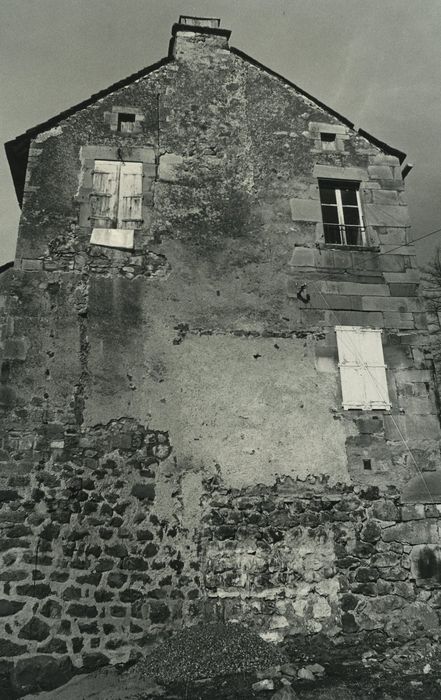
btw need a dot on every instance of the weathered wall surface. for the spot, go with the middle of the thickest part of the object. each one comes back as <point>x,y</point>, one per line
<point>173,439</point>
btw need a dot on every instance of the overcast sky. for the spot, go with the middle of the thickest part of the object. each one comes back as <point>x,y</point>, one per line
<point>375,61</point>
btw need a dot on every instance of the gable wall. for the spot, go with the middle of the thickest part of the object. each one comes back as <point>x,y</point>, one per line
<point>151,399</point>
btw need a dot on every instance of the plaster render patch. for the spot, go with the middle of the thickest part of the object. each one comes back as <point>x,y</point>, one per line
<point>237,404</point>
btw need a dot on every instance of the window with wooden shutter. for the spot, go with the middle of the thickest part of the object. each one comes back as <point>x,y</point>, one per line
<point>104,196</point>
<point>130,195</point>
<point>362,368</point>
<point>115,202</point>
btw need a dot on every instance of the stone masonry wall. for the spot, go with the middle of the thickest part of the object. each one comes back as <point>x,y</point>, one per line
<point>173,443</point>
<point>302,559</point>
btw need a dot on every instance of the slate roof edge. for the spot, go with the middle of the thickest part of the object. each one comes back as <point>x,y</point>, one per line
<point>6,266</point>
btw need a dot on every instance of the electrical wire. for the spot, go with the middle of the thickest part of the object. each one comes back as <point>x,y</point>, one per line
<point>403,245</point>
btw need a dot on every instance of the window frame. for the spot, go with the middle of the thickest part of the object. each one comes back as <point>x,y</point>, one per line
<point>342,225</point>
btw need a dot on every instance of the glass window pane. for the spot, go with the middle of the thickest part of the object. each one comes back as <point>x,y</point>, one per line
<point>353,235</point>
<point>330,214</point>
<point>327,194</point>
<point>351,216</point>
<point>349,196</point>
<point>332,233</point>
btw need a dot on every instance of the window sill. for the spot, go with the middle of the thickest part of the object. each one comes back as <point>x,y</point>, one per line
<point>339,246</point>
<point>113,238</point>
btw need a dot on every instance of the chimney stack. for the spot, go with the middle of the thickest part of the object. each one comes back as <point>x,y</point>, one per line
<point>197,33</point>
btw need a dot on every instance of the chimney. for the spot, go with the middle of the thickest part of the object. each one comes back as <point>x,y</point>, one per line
<point>193,34</point>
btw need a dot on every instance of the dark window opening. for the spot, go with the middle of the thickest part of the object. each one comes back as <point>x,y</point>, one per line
<point>367,464</point>
<point>341,212</point>
<point>126,122</point>
<point>328,141</point>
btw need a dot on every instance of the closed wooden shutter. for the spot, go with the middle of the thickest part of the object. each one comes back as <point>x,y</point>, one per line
<point>362,368</point>
<point>130,196</point>
<point>104,196</point>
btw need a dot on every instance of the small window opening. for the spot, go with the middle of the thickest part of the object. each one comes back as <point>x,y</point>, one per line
<point>126,122</point>
<point>328,141</point>
<point>367,464</point>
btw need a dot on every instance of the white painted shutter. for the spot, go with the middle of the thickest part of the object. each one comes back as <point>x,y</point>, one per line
<point>130,196</point>
<point>104,196</point>
<point>362,368</point>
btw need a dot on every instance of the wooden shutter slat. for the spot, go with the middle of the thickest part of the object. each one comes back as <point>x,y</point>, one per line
<point>104,196</point>
<point>362,368</point>
<point>130,195</point>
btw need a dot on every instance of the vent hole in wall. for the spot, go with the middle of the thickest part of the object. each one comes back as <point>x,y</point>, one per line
<point>367,464</point>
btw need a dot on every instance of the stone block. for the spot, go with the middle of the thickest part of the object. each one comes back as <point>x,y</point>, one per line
<point>305,209</point>
<point>409,276</point>
<point>326,128</point>
<point>303,257</point>
<point>342,259</point>
<point>30,265</point>
<point>412,512</point>
<point>334,301</point>
<point>170,165</point>
<point>35,629</point>
<point>402,321</point>
<point>383,159</point>
<point>353,288</point>
<point>386,215</point>
<point>423,427</point>
<point>380,172</point>
<point>388,197</point>
<point>392,263</point>
<point>413,532</point>
<point>360,318</point>
<point>333,172</point>
<point>403,290</point>
<point>402,305</point>
<point>425,562</point>
<point>324,258</point>
<point>423,488</point>
<point>366,260</point>
<point>395,427</point>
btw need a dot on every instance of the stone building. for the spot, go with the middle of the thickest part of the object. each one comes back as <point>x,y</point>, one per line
<point>216,390</point>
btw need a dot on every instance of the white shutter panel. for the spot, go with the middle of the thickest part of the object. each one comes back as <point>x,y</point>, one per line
<point>130,196</point>
<point>362,368</point>
<point>104,196</point>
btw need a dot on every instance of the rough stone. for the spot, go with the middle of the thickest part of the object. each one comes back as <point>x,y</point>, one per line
<point>36,629</point>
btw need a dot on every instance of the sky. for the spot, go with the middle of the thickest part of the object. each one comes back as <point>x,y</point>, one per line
<point>377,62</point>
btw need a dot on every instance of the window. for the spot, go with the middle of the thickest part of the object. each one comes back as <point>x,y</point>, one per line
<point>362,368</point>
<point>116,197</point>
<point>341,212</point>
<point>115,202</point>
<point>126,122</point>
<point>328,141</point>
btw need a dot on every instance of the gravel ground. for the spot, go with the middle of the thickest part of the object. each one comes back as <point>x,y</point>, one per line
<point>208,650</point>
